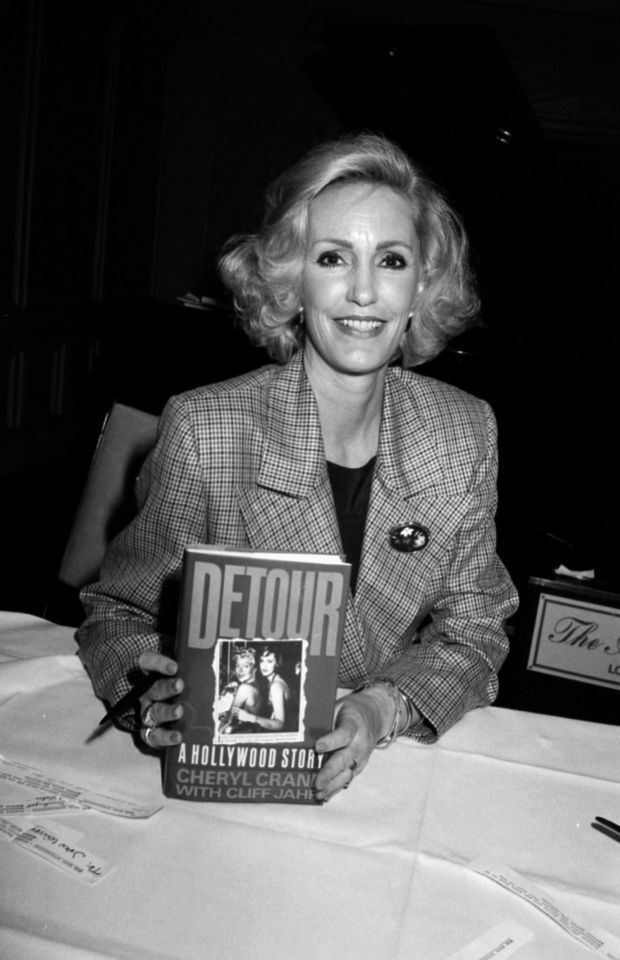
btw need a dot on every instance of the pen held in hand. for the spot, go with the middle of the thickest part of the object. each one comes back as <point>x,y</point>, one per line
<point>130,700</point>
<point>608,827</point>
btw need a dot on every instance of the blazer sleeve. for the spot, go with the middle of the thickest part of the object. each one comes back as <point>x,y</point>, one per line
<point>452,667</point>
<point>132,608</point>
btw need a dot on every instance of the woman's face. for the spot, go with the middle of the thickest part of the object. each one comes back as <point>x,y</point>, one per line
<point>244,669</point>
<point>359,279</point>
<point>268,664</point>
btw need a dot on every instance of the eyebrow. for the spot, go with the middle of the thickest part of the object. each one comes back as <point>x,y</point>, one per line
<point>384,245</point>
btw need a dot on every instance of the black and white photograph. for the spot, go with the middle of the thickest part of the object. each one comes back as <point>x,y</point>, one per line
<point>309,473</point>
<point>260,691</point>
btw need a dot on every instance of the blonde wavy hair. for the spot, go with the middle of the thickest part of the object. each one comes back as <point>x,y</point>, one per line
<point>263,270</point>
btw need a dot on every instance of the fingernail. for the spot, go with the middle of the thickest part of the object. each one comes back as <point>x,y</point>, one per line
<point>176,737</point>
<point>177,686</point>
<point>177,712</point>
<point>171,668</point>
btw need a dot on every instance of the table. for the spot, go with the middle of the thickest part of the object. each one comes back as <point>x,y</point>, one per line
<point>380,872</point>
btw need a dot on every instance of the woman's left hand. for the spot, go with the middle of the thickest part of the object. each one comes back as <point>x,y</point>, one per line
<point>362,719</point>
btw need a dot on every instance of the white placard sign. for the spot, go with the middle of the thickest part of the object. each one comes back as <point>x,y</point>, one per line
<point>576,639</point>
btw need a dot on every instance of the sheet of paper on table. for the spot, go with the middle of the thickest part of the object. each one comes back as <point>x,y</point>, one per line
<point>599,941</point>
<point>44,790</point>
<point>58,845</point>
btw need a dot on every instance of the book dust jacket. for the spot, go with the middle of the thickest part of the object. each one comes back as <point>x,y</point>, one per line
<point>258,647</point>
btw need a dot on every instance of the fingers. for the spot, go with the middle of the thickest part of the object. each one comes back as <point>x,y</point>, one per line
<point>348,747</point>
<point>157,736</point>
<point>329,783</point>
<point>155,708</point>
<point>156,712</point>
<point>341,748</point>
<point>153,662</point>
<point>163,689</point>
<point>339,738</point>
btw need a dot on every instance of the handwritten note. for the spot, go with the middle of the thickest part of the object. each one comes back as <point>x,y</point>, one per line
<point>46,793</point>
<point>41,804</point>
<point>59,846</point>
<point>599,941</point>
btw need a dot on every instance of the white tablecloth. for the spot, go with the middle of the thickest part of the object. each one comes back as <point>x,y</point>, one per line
<point>380,872</point>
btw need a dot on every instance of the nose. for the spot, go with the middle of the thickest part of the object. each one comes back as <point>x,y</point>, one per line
<point>362,285</point>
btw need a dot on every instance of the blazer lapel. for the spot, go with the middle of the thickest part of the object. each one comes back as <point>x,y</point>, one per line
<point>408,487</point>
<point>291,508</point>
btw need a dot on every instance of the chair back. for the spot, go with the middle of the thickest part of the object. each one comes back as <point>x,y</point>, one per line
<point>107,503</point>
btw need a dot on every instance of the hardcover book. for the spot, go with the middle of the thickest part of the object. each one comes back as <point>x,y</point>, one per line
<point>258,646</point>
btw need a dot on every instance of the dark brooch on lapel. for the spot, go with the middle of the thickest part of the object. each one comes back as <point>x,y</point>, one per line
<point>408,537</point>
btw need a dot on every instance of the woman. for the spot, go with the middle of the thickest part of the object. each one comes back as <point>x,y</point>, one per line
<point>359,259</point>
<point>241,701</point>
<point>278,693</point>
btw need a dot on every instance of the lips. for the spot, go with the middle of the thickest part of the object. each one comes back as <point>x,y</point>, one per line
<point>360,324</point>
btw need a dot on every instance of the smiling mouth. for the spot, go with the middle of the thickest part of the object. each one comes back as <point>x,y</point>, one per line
<point>360,324</point>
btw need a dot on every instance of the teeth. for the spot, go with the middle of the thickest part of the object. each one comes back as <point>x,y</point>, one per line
<point>360,324</point>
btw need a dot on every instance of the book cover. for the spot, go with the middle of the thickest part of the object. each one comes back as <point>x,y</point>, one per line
<point>258,646</point>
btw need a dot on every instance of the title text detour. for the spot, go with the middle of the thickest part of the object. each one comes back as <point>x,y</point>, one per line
<point>254,601</point>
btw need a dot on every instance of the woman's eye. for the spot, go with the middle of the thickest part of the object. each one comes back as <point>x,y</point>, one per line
<point>329,259</point>
<point>394,261</point>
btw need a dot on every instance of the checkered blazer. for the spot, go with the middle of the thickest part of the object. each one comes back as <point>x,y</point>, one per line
<point>242,462</point>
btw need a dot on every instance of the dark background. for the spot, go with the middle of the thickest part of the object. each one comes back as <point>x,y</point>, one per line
<point>138,138</point>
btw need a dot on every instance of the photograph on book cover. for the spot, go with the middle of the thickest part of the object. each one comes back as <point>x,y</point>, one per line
<point>259,691</point>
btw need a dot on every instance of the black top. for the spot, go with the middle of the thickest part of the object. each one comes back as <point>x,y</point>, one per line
<point>351,490</point>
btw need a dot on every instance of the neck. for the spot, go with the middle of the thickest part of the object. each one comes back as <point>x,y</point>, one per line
<point>350,414</point>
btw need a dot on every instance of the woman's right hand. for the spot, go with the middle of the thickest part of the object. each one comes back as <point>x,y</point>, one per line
<point>155,709</point>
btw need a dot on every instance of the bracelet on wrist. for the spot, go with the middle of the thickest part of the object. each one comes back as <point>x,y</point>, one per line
<point>399,712</point>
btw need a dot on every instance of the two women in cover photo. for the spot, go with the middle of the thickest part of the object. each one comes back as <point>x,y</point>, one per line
<point>258,699</point>
<point>358,274</point>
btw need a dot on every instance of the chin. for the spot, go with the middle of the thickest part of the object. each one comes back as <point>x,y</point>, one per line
<point>363,365</point>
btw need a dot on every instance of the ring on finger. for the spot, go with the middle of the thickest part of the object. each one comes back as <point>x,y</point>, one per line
<point>353,767</point>
<point>147,734</point>
<point>148,720</point>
